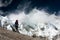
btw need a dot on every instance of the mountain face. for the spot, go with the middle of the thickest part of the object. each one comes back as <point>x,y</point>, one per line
<point>42,29</point>
<point>37,23</point>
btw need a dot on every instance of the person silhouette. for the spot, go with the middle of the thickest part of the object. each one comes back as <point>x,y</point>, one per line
<point>16,25</point>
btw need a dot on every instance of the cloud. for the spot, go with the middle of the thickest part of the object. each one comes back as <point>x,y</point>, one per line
<point>5,3</point>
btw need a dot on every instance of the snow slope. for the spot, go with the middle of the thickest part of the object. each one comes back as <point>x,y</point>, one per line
<point>37,22</point>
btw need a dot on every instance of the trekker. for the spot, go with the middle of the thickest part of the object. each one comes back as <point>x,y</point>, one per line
<point>16,25</point>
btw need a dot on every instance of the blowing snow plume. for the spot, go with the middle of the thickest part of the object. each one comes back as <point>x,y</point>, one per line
<point>37,22</point>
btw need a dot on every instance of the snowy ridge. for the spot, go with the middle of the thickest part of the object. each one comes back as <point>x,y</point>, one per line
<point>36,22</point>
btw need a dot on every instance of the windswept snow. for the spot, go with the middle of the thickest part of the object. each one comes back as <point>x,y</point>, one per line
<point>37,22</point>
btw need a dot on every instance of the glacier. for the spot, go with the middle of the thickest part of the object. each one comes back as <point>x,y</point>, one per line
<point>37,22</point>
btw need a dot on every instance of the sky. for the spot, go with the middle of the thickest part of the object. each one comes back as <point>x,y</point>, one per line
<point>50,6</point>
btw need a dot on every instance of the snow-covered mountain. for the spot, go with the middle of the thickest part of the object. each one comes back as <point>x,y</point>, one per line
<point>33,23</point>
